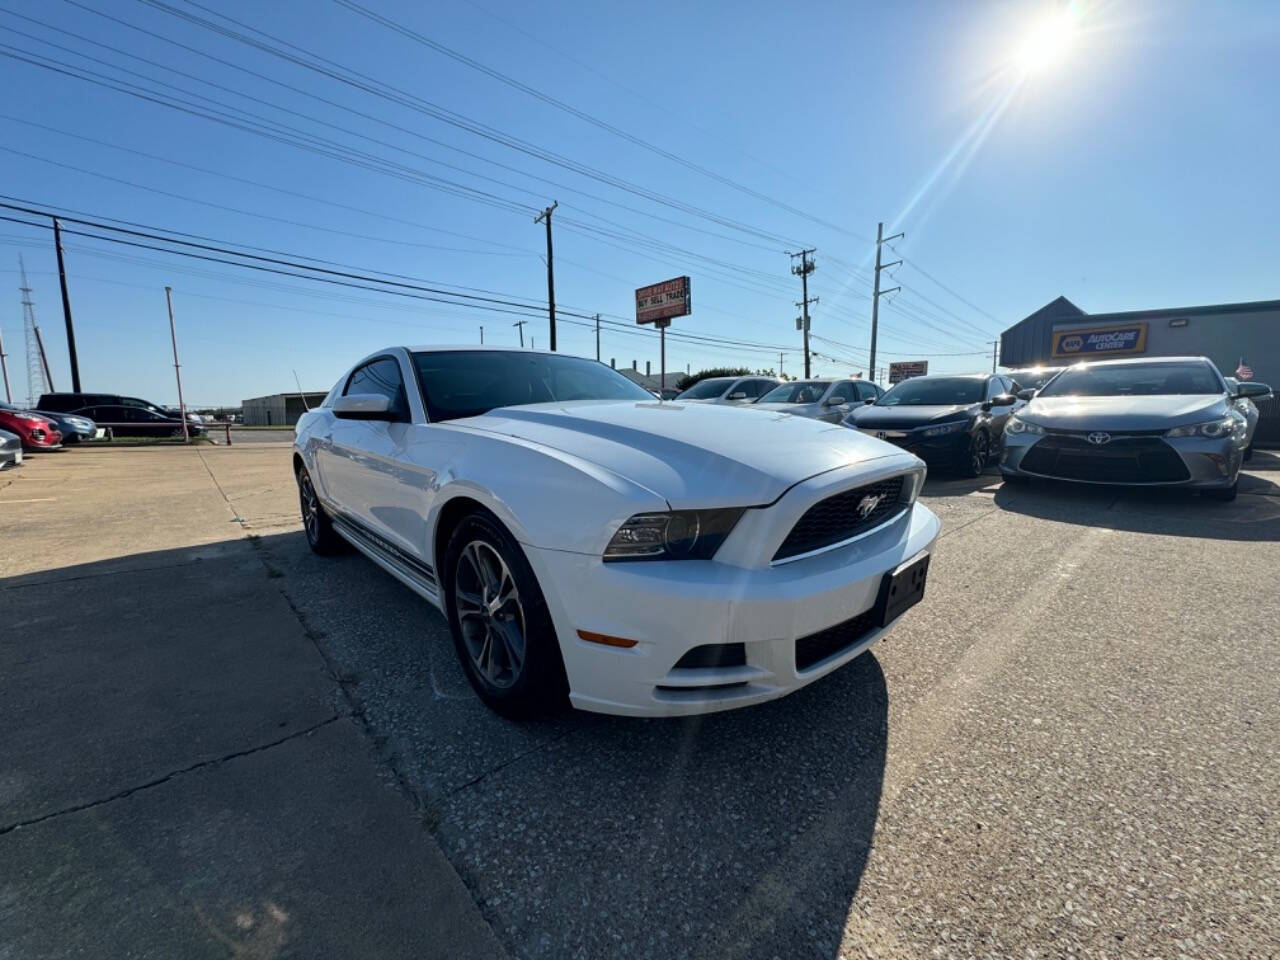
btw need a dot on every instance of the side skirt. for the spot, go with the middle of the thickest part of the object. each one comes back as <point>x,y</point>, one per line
<point>408,569</point>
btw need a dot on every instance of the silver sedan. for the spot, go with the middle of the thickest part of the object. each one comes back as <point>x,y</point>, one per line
<point>1155,421</point>
<point>10,449</point>
<point>829,400</point>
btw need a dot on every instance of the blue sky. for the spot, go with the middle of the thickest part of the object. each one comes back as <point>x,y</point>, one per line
<point>1137,170</point>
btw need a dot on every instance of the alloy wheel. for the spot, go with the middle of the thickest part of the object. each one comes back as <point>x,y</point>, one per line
<point>978,453</point>
<point>490,615</point>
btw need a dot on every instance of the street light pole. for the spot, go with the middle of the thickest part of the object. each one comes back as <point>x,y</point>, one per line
<point>177,372</point>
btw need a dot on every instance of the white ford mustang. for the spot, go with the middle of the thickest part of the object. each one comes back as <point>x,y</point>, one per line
<point>583,539</point>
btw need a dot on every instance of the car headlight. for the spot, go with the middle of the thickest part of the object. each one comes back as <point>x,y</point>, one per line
<point>1213,429</point>
<point>945,428</point>
<point>678,535</point>
<point>1017,425</point>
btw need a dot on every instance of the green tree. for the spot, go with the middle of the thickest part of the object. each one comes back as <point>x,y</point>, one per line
<point>689,379</point>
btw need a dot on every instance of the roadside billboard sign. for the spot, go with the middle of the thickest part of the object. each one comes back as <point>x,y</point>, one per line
<point>662,301</point>
<point>1121,340</point>
<point>907,369</point>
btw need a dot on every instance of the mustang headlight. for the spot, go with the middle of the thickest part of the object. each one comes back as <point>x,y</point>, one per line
<point>1213,429</point>
<point>944,428</point>
<point>1017,425</point>
<point>678,535</point>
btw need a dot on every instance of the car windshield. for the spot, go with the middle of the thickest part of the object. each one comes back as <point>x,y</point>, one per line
<point>467,383</point>
<point>706,389</point>
<point>933,391</point>
<point>802,392</point>
<point>1035,379</point>
<point>1135,380</point>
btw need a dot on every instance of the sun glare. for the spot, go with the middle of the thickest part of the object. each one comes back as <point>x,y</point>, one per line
<point>1048,41</point>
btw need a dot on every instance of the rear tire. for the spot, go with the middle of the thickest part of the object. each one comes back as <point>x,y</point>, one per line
<point>1224,494</point>
<point>502,629</point>
<point>321,537</point>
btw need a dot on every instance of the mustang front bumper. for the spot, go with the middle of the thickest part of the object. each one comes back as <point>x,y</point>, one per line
<point>669,608</point>
<point>1127,459</point>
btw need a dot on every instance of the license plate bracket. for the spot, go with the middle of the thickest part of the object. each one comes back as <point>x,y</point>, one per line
<point>901,589</point>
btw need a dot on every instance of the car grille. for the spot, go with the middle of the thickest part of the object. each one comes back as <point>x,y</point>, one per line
<point>1126,459</point>
<point>837,518</point>
<point>826,643</point>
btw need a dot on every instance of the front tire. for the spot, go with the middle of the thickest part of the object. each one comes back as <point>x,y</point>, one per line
<point>321,537</point>
<point>976,458</point>
<point>502,629</point>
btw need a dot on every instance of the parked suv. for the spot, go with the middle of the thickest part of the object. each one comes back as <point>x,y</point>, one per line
<point>126,416</point>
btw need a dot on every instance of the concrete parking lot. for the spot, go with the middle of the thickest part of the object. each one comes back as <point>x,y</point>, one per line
<point>216,744</point>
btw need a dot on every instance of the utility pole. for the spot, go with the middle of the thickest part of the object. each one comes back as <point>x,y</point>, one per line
<point>779,363</point>
<point>533,343</point>
<point>994,344</point>
<point>4,368</point>
<point>551,273</point>
<point>482,334</point>
<point>806,267</point>
<point>881,240</point>
<point>519,324</point>
<point>597,338</point>
<point>66,308</point>
<point>177,372</point>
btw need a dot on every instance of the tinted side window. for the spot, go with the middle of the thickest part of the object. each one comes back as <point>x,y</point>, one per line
<point>866,391</point>
<point>381,376</point>
<point>758,388</point>
<point>844,391</point>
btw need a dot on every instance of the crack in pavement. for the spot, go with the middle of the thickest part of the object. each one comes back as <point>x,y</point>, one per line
<point>128,791</point>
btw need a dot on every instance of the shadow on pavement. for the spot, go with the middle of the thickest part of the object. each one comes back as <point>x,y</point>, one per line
<point>736,834</point>
<point>1170,511</point>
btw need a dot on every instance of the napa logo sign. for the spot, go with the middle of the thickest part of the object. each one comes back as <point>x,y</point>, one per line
<point>1116,341</point>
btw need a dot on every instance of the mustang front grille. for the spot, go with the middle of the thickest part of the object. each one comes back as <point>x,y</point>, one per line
<point>843,516</point>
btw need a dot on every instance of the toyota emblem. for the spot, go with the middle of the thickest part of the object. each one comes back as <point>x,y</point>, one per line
<point>1098,438</point>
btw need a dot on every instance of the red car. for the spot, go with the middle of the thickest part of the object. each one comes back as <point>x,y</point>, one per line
<point>37,432</point>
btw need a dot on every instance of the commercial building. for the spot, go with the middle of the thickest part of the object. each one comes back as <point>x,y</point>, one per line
<point>279,409</point>
<point>1060,333</point>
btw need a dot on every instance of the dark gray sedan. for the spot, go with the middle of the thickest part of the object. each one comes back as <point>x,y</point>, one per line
<point>1154,421</point>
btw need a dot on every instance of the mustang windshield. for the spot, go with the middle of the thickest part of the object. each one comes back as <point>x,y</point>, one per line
<point>467,383</point>
<point>1135,380</point>
<point>795,393</point>
<point>933,392</point>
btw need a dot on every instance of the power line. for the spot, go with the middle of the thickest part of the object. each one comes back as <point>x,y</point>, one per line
<point>574,111</point>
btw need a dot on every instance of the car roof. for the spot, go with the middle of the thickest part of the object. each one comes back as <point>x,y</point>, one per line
<point>951,376</point>
<point>1140,361</point>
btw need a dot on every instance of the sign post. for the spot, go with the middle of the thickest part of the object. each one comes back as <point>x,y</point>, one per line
<point>658,303</point>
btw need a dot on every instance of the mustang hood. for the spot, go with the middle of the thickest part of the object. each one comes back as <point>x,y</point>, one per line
<point>693,455</point>
<point>1123,413</point>
<point>873,417</point>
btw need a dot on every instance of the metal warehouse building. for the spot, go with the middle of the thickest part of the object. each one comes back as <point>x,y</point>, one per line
<point>1060,333</point>
<point>279,409</point>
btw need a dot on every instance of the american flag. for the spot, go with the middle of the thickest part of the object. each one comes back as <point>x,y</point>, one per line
<point>1244,371</point>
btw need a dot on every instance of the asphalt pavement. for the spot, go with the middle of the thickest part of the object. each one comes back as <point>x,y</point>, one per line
<point>1071,747</point>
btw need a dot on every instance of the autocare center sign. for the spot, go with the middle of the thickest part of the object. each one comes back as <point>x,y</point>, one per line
<point>662,301</point>
<point>1117,341</point>
<point>907,369</point>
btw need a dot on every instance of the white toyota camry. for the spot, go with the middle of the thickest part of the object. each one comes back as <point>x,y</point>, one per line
<point>583,539</point>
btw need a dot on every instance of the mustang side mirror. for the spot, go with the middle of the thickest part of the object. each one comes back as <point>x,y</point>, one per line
<point>1248,389</point>
<point>1026,394</point>
<point>364,406</point>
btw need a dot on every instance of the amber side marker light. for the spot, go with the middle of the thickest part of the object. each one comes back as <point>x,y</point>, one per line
<point>605,639</point>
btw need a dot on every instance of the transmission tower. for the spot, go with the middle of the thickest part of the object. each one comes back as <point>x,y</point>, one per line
<point>38,379</point>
